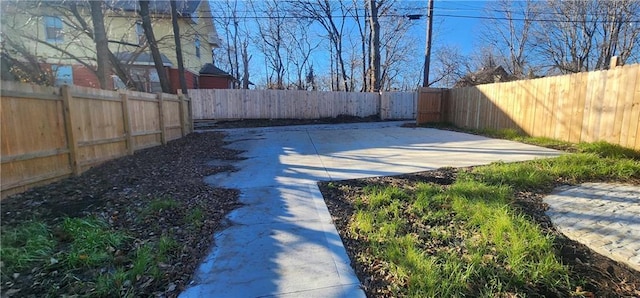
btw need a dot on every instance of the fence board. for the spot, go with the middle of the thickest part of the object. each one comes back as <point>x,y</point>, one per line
<point>634,125</point>
<point>50,133</point>
<point>582,107</point>
<point>227,104</point>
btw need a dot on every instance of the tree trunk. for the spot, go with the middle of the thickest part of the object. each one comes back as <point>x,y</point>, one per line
<point>153,45</point>
<point>176,36</point>
<point>102,44</point>
<point>245,65</point>
<point>364,55</point>
<point>235,48</point>
<point>117,66</point>
<point>374,61</point>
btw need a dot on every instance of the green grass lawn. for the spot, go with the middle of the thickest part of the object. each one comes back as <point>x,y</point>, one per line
<point>114,257</point>
<point>468,238</point>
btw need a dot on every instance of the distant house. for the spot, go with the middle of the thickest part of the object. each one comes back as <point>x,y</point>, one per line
<point>50,32</point>
<point>484,76</point>
<point>212,77</point>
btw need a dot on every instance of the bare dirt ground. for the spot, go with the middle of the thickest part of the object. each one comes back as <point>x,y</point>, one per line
<point>120,191</point>
<point>602,277</point>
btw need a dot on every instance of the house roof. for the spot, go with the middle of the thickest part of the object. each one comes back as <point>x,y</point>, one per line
<point>212,70</point>
<point>142,58</point>
<point>484,76</point>
<point>185,7</point>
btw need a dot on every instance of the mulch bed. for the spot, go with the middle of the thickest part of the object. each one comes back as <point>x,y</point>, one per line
<point>602,277</point>
<point>119,190</point>
<point>222,124</point>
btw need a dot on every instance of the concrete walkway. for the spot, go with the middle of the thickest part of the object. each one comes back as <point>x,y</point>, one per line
<point>604,217</point>
<point>282,242</point>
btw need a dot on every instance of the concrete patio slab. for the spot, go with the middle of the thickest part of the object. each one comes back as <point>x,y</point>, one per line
<point>603,216</point>
<point>282,242</point>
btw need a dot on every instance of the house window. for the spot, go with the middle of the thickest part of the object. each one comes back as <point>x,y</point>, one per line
<point>197,44</point>
<point>53,29</point>
<point>63,73</point>
<point>140,34</point>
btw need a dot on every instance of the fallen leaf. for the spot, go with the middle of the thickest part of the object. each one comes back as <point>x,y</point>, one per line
<point>171,287</point>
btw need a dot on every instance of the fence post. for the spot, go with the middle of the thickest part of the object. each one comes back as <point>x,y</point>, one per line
<point>379,97</point>
<point>163,131</point>
<point>614,62</point>
<point>71,138</point>
<point>127,122</point>
<point>188,102</point>
<point>416,96</point>
<point>183,123</point>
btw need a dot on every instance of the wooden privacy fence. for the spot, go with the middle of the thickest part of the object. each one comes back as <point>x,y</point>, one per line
<point>222,104</point>
<point>583,107</point>
<point>430,105</point>
<point>51,133</point>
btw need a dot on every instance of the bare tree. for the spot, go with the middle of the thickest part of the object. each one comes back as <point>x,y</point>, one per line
<point>396,50</point>
<point>176,38</point>
<point>585,34</point>
<point>102,44</point>
<point>153,45</point>
<point>374,59</point>
<point>79,23</point>
<point>299,51</point>
<point>246,59</point>
<point>332,17</point>
<point>271,40</point>
<point>511,32</point>
<point>311,78</point>
<point>364,40</point>
<point>448,67</point>
<point>618,33</point>
<point>228,22</point>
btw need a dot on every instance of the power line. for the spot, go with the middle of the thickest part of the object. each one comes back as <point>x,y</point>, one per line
<point>417,16</point>
<point>464,7</point>
<point>413,16</point>
<point>535,19</point>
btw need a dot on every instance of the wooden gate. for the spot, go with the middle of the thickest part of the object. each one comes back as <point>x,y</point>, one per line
<point>430,105</point>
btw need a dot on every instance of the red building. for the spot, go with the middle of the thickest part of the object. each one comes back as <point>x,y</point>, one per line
<point>212,77</point>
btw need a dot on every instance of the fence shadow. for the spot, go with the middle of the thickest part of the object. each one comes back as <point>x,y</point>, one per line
<point>583,107</point>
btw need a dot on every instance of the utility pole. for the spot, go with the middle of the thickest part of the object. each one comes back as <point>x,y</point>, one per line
<point>427,53</point>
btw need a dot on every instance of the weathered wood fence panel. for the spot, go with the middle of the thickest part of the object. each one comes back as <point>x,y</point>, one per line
<point>49,133</point>
<point>398,105</point>
<point>583,107</point>
<point>294,104</point>
<point>430,105</point>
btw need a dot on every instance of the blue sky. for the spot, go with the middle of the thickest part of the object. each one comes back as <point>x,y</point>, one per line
<point>460,31</point>
<point>451,28</point>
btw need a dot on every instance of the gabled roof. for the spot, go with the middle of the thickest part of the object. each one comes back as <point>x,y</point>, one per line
<point>185,7</point>
<point>212,70</point>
